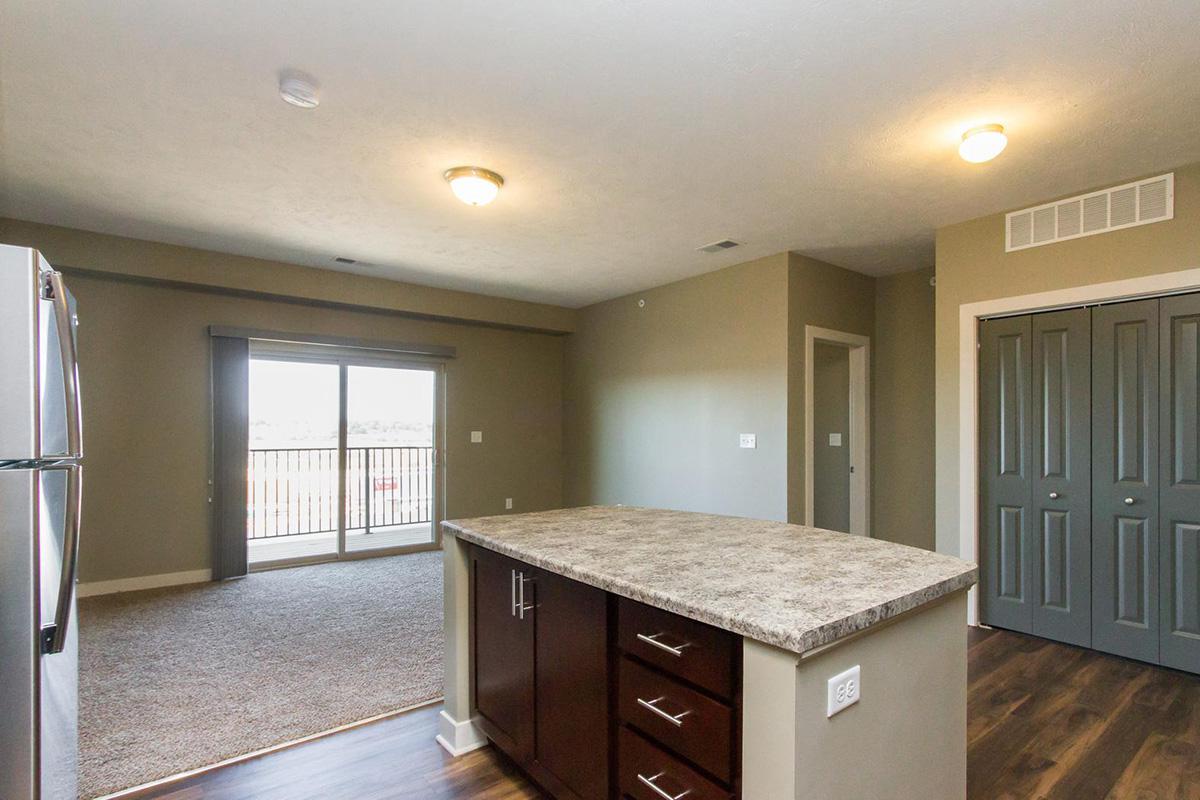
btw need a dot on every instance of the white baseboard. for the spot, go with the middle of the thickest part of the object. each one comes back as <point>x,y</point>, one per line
<point>459,738</point>
<point>145,582</point>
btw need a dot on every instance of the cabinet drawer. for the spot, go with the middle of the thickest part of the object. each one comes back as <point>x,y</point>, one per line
<point>694,651</point>
<point>691,724</point>
<point>645,772</point>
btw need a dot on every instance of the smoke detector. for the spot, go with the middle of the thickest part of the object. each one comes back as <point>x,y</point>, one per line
<point>298,89</point>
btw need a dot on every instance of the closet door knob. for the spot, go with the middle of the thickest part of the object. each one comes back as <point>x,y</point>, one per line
<point>1054,495</point>
<point>1129,501</point>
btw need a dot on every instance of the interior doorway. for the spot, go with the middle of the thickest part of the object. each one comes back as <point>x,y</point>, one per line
<point>343,455</point>
<point>837,430</point>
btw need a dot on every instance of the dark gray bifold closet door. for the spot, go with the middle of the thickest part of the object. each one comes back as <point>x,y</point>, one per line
<point>1061,477</point>
<point>1179,472</point>
<point>1125,546</point>
<point>1004,407</point>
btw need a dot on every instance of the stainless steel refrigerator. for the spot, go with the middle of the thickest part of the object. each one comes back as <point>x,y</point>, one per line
<point>41,450</point>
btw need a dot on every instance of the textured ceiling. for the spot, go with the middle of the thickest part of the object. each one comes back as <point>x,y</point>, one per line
<point>628,133</point>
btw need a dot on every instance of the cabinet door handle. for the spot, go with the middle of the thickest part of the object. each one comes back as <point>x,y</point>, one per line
<point>521,605</point>
<point>654,787</point>
<point>1129,501</point>
<point>1055,495</point>
<point>652,705</point>
<point>512,584</point>
<point>653,640</point>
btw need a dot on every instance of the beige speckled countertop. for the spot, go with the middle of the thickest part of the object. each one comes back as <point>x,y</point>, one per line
<point>787,585</point>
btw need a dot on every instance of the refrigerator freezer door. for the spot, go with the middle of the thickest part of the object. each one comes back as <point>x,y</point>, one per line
<point>59,706</point>
<point>58,374</point>
<point>19,633</point>
<point>19,309</point>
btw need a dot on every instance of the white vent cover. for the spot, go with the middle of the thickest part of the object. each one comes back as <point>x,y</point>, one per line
<point>1139,203</point>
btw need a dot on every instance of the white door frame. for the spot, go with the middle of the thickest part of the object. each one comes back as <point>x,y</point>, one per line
<point>860,423</point>
<point>969,315</point>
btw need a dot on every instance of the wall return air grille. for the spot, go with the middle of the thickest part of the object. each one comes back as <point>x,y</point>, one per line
<point>1137,203</point>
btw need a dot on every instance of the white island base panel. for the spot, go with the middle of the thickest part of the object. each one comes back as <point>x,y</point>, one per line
<point>905,738</point>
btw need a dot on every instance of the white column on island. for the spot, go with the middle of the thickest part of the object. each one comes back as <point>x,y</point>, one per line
<point>457,733</point>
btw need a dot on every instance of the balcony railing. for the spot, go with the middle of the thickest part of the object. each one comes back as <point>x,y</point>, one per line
<point>293,491</point>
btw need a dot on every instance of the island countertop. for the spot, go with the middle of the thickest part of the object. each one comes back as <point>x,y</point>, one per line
<point>791,586</point>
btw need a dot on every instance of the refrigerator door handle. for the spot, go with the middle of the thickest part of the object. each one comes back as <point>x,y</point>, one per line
<point>54,290</point>
<point>54,636</point>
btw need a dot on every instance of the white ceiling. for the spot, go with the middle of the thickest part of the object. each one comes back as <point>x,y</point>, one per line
<point>629,133</point>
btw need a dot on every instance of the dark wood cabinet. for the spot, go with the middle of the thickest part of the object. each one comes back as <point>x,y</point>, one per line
<point>502,641</point>
<point>557,687</point>
<point>540,672</point>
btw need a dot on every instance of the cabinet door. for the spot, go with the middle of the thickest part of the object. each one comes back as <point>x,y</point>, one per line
<point>1125,442</point>
<point>1061,476</point>
<point>1006,580</point>
<point>572,684</point>
<point>1179,473</point>
<point>503,651</point>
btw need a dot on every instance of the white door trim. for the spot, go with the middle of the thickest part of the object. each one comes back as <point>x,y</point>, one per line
<point>969,315</point>
<point>860,423</point>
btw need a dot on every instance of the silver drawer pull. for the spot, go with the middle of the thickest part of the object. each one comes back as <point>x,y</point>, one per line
<point>675,651</point>
<point>660,792</point>
<point>652,705</point>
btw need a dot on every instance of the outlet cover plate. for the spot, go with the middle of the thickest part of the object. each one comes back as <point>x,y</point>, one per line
<point>748,440</point>
<point>844,690</point>
<point>476,437</point>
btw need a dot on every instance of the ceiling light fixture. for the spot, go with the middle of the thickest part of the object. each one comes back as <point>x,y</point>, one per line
<point>983,143</point>
<point>475,186</point>
<point>298,89</point>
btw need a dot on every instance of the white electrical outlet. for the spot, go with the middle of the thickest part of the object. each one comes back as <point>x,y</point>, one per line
<point>748,440</point>
<point>508,504</point>
<point>844,691</point>
<point>476,437</point>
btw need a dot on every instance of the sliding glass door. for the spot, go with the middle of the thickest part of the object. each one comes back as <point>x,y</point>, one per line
<point>343,457</point>
<point>390,475</point>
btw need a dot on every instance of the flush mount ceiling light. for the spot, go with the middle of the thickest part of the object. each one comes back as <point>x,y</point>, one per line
<point>475,186</point>
<point>298,89</point>
<point>983,143</point>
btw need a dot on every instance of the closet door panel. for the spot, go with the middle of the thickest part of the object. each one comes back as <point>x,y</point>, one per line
<point>1125,466</point>
<point>1179,470</point>
<point>1061,476</point>
<point>1007,543</point>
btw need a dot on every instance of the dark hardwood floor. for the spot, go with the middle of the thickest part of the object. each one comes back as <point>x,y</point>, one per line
<point>1044,720</point>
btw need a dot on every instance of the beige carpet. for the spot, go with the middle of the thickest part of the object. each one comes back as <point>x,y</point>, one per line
<point>174,679</point>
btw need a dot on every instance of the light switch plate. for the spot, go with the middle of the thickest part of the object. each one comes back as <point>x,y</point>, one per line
<point>835,440</point>
<point>844,691</point>
<point>748,440</point>
<point>476,437</point>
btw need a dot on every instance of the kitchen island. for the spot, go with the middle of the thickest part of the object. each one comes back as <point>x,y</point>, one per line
<point>614,651</point>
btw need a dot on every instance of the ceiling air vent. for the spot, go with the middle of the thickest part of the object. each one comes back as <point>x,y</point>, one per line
<point>717,247</point>
<point>1138,203</point>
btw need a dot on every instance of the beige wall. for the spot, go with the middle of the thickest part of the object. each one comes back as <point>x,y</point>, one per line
<point>972,266</point>
<point>134,257</point>
<point>145,374</point>
<point>656,396</point>
<point>902,416</point>
<point>824,296</point>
